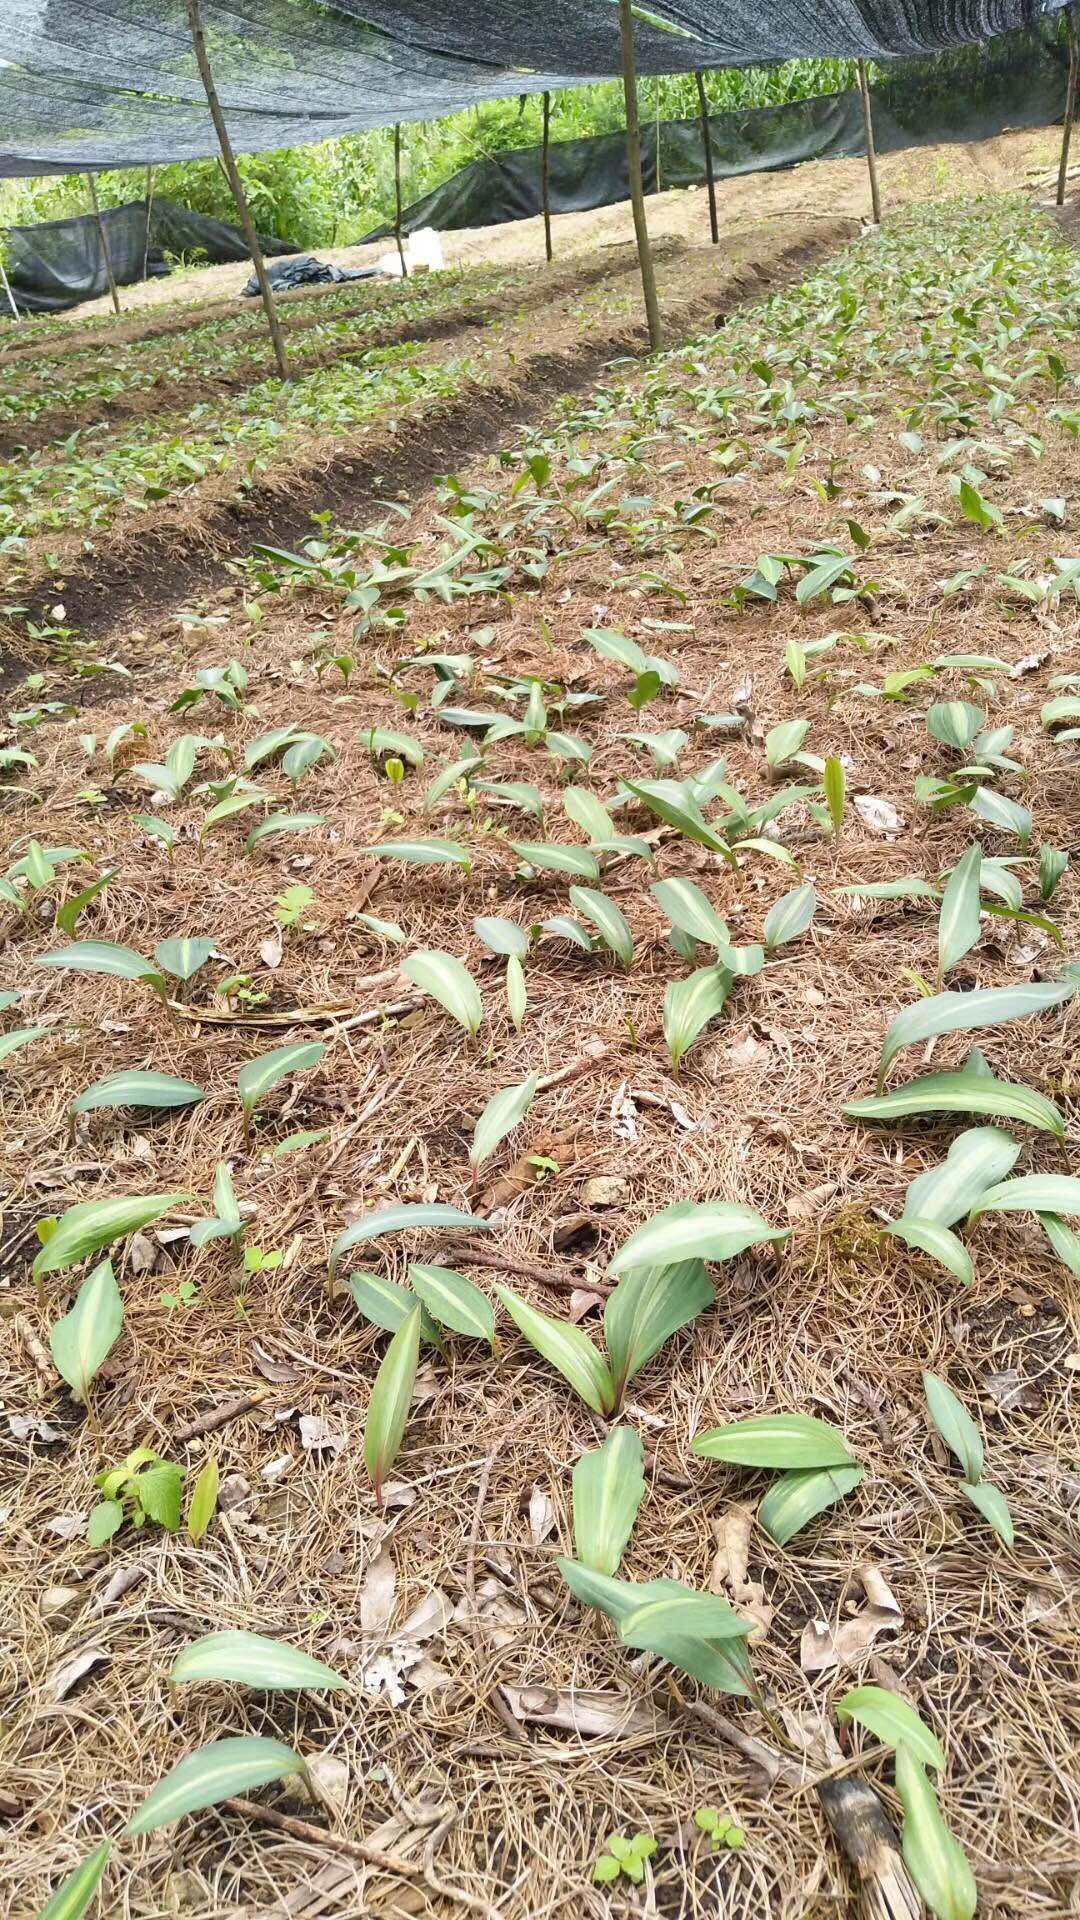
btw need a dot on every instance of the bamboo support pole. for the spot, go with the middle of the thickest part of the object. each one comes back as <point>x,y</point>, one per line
<point>706,140</point>
<point>545,175</point>
<point>871,151</point>
<point>1072,28</point>
<point>637,188</point>
<point>397,199</point>
<point>104,239</point>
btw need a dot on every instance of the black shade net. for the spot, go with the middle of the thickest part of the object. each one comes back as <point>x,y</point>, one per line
<point>107,83</point>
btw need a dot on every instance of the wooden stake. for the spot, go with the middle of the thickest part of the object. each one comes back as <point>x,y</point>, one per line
<point>706,137</point>
<point>103,237</point>
<point>545,182</point>
<point>7,290</point>
<point>871,152</point>
<point>149,197</point>
<point>236,185</point>
<point>397,198</point>
<point>1072,28</point>
<point>637,187</point>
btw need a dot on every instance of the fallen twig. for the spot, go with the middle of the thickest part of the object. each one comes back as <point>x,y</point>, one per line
<point>221,1415</point>
<point>528,1270</point>
<point>498,1701</point>
<point>33,1346</point>
<point>322,1837</point>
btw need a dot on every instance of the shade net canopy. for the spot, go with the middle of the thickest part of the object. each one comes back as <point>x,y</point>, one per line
<point>109,83</point>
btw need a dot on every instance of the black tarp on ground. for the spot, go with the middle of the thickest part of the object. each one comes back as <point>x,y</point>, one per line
<point>971,94</point>
<point>60,263</point>
<point>115,82</point>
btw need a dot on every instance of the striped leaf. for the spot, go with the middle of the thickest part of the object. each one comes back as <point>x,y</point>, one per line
<point>942,1245</point>
<point>608,1486</point>
<point>449,777</point>
<point>132,1088</point>
<point>1032,1193</point>
<point>891,1721</point>
<point>955,1425</point>
<point>835,784</point>
<point>94,1224</point>
<point>515,793</point>
<point>388,1305</point>
<point>449,982</point>
<point>681,1616</point>
<point>251,1660</point>
<point>797,1498</point>
<point>976,1160</point>
<point>102,956</point>
<point>932,1855</point>
<point>964,1012</point>
<point>18,1038</point>
<point>391,1397</point>
<point>402,1220</point>
<point>692,912</point>
<point>1063,1240</point>
<point>588,813</point>
<point>963,1092</point>
<point>999,811</point>
<point>502,936</point>
<point>276,823</point>
<point>794,1440</point>
<point>958,922</point>
<point>204,1499</point>
<point>672,803</point>
<point>690,1004</point>
<point>454,1302</point>
<point>609,922</point>
<point>183,958</point>
<point>722,1664</point>
<point>73,1897</point>
<point>381,740</point>
<point>717,1230</point>
<point>992,1504</point>
<point>646,1308</point>
<point>955,723</point>
<point>566,1348</point>
<point>517,993</point>
<point>82,1341</point>
<point>420,853</point>
<point>552,858</point>
<point>504,1111</point>
<point>257,1078</point>
<point>212,1774</point>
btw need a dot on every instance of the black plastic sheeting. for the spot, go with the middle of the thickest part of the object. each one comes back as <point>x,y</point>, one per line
<point>60,263</point>
<point>303,270</point>
<point>103,83</point>
<point>1019,82</point>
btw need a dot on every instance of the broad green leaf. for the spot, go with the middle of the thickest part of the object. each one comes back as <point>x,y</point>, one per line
<point>606,917</point>
<point>401,1220</point>
<point>93,1224</point>
<point>588,813</point>
<point>69,913</point>
<point>268,746</point>
<point>835,791</point>
<point>942,1245</point>
<point>1031,1193</point>
<point>183,958</point>
<point>963,1012</point>
<point>502,936</point>
<point>299,1142</point>
<point>722,1663</point>
<point>227,1223</point>
<point>382,740</point>
<point>955,723</point>
<point>688,908</point>
<point>81,1342</point>
<point>646,1308</point>
<point>1052,868</point>
<point>717,1230</point>
<point>992,1504</point>
<point>449,982</point>
<point>955,1425</point>
<point>157,829</point>
<point>671,802</point>
<point>1063,1240</point>
<point>798,1498</point>
<point>999,811</point>
<point>958,923</point>
<point>976,1160</point>
<point>914,887</point>
<point>776,1440</point>
<point>388,1305</point>
<point>566,1348</point>
<point>562,928</point>
<point>132,1088</point>
<point>609,1486</point>
<point>681,1616</point>
<point>891,1721</point>
<point>963,1092</point>
<point>276,823</point>
<point>421,853</point>
<point>159,1489</point>
<point>551,858</point>
<point>784,741</point>
<point>789,916</point>
<point>454,1302</point>
<point>933,1856</point>
<point>251,1660</point>
<point>211,1774</point>
<point>73,1896</point>
<point>391,1396</point>
<point>101,956</point>
<point>504,1111</point>
<point>103,1521</point>
<point>203,1503</point>
<point>18,1038</point>
<point>449,777</point>
<point>516,793</point>
<point>517,993</point>
<point>257,1078</point>
<point>688,1007</point>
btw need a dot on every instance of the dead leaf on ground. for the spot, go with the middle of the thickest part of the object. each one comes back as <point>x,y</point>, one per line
<point>583,1302</point>
<point>580,1711</point>
<point>30,1426</point>
<point>318,1436</point>
<point>270,952</point>
<point>66,1678</point>
<point>432,1616</point>
<point>827,1644</point>
<point>377,1595</point>
<point>729,1574</point>
<point>605,1190</point>
<point>69,1526</point>
<point>624,1114</point>
<point>279,1372</point>
<point>878,814</point>
<point>1029,663</point>
<point>541,1515</point>
<point>1010,1390</point>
